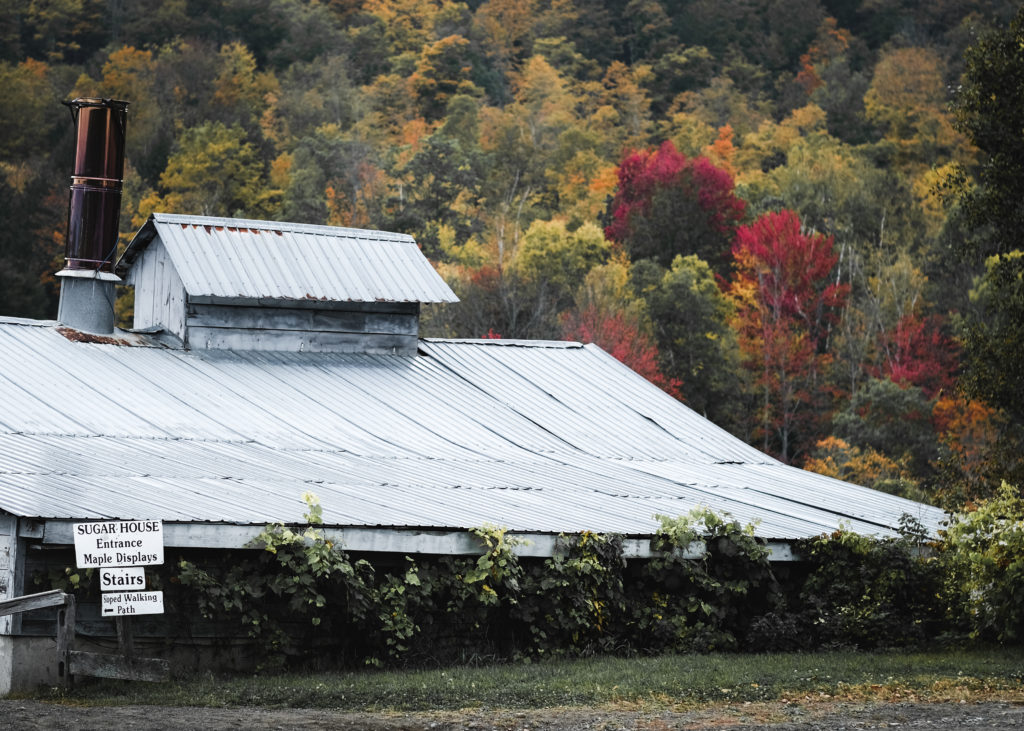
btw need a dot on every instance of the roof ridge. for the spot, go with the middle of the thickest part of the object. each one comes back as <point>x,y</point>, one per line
<point>26,321</point>
<point>251,223</point>
<point>509,342</point>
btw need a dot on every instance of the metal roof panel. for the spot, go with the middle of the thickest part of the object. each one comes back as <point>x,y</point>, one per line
<point>538,437</point>
<point>242,258</point>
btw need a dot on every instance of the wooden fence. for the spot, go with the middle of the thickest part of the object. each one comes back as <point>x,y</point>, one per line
<point>70,662</point>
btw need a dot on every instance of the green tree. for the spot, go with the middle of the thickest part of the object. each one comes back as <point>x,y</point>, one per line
<point>690,318</point>
<point>551,256</point>
<point>990,110</point>
<point>312,95</point>
<point>893,419</point>
<point>438,184</point>
<point>335,178</point>
<point>35,164</point>
<point>986,550</point>
<point>993,339</point>
<point>28,115</point>
<point>63,30</point>
<point>215,172</point>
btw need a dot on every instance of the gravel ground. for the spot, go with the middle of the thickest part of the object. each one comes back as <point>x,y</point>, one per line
<point>23,715</point>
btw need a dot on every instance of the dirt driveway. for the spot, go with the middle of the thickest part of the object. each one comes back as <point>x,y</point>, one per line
<point>23,715</point>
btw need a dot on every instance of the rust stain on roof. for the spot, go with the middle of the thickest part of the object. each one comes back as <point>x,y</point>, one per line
<point>77,336</point>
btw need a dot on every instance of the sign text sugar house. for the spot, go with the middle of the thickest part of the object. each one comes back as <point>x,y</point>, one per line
<point>119,543</point>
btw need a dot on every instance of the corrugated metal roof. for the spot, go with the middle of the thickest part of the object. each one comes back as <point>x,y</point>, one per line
<point>240,258</point>
<point>537,437</point>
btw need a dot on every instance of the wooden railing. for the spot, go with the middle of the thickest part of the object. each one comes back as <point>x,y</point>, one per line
<point>65,623</point>
<point>71,662</point>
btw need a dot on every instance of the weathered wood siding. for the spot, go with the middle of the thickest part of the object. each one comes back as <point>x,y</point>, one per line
<point>312,327</point>
<point>9,573</point>
<point>159,292</point>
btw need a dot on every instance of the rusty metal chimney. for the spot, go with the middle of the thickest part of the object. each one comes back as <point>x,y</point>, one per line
<point>87,285</point>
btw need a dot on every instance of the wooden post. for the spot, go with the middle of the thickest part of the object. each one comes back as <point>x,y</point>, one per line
<point>65,639</point>
<point>125,639</point>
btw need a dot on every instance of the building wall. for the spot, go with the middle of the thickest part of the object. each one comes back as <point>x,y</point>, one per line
<point>335,327</point>
<point>8,567</point>
<point>27,663</point>
<point>159,292</point>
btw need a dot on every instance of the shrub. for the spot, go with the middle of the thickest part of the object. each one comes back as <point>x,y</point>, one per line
<point>574,602</point>
<point>299,596</point>
<point>704,603</point>
<point>985,548</point>
<point>867,593</point>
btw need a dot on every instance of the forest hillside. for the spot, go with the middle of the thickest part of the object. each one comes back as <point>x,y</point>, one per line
<point>797,216</point>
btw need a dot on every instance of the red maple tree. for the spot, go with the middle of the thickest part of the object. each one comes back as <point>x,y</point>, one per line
<point>668,204</point>
<point>918,352</point>
<point>622,337</point>
<point>786,304</point>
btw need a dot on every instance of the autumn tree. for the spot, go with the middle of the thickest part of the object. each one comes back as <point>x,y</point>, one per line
<point>835,457</point>
<point>622,338</point>
<point>518,142</point>
<point>787,302</point>
<point>552,257</point>
<point>919,352</point>
<point>975,453</point>
<point>609,315</point>
<point>690,319</point>
<point>214,171</point>
<point>990,110</point>
<point>668,205</point>
<point>443,70</point>
<point>507,27</point>
<point>907,101</point>
<point>240,90</point>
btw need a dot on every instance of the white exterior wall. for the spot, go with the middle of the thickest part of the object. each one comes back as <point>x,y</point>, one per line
<point>159,292</point>
<point>25,662</point>
<point>8,567</point>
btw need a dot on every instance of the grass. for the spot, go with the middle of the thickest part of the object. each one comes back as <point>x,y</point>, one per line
<point>670,682</point>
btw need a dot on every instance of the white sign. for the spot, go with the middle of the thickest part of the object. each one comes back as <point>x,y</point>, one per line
<point>119,543</point>
<point>130,578</point>
<point>128,603</point>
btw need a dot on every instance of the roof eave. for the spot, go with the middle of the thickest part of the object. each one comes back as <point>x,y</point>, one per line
<point>142,239</point>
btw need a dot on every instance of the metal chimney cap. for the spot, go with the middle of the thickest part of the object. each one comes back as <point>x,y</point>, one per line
<point>91,101</point>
